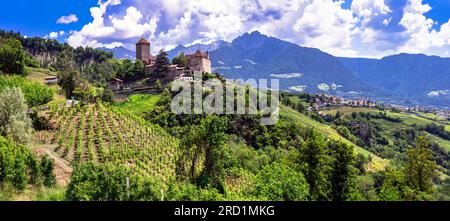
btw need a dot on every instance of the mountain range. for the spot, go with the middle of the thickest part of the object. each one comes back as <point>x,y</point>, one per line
<point>121,52</point>
<point>408,79</point>
<point>415,77</point>
<point>193,48</point>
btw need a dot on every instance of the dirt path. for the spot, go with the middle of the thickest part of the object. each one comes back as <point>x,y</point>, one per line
<point>62,170</point>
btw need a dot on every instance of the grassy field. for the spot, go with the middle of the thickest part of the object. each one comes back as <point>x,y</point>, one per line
<point>377,162</point>
<point>295,100</point>
<point>408,120</point>
<point>139,103</point>
<point>411,119</point>
<point>429,116</point>
<point>39,74</point>
<point>441,142</point>
<point>349,110</point>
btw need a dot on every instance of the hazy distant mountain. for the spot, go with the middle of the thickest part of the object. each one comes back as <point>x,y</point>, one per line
<point>193,48</point>
<point>299,69</point>
<point>413,76</point>
<point>121,52</point>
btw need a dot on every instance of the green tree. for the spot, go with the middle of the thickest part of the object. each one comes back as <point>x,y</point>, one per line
<point>393,186</point>
<point>69,80</point>
<point>35,93</point>
<point>98,73</point>
<point>315,168</point>
<point>389,192</point>
<point>139,69</point>
<point>18,166</point>
<point>111,182</point>
<point>158,85</point>
<point>343,172</point>
<point>12,57</point>
<point>14,120</point>
<point>338,115</point>
<point>47,166</point>
<point>420,166</point>
<point>180,60</point>
<point>108,96</point>
<point>278,182</point>
<point>162,64</point>
<point>66,60</point>
<point>203,142</point>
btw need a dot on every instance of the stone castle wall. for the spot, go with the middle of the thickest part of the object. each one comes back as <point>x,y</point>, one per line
<point>199,64</point>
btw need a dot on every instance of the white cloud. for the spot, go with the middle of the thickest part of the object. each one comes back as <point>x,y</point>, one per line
<point>99,34</point>
<point>369,9</point>
<point>54,35</point>
<point>67,19</point>
<point>326,25</point>
<point>386,22</point>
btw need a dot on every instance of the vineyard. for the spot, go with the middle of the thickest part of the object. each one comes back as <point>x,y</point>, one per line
<point>101,133</point>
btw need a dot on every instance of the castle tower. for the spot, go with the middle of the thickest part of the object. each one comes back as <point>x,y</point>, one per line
<point>199,61</point>
<point>143,50</point>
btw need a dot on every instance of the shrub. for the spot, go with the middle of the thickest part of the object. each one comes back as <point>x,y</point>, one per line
<point>12,57</point>
<point>19,167</point>
<point>279,182</point>
<point>35,93</point>
<point>14,120</point>
<point>47,165</point>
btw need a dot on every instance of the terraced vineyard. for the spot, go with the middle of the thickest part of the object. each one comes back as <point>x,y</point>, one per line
<point>101,133</point>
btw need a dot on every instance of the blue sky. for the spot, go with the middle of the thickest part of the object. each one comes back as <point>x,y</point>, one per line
<point>356,28</point>
<point>38,18</point>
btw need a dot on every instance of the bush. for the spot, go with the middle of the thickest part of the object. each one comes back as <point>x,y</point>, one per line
<point>188,192</point>
<point>278,182</point>
<point>108,182</point>
<point>35,93</point>
<point>51,194</point>
<point>18,166</point>
<point>14,120</point>
<point>108,96</point>
<point>47,165</point>
<point>30,61</point>
<point>12,57</point>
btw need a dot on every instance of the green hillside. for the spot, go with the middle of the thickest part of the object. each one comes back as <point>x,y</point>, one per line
<point>377,162</point>
<point>100,133</point>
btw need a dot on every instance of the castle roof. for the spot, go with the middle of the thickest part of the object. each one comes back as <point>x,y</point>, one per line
<point>198,53</point>
<point>143,41</point>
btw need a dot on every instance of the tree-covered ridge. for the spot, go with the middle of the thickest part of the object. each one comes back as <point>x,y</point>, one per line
<point>36,46</point>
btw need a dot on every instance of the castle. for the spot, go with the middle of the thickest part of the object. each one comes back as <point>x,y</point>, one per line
<point>198,61</point>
